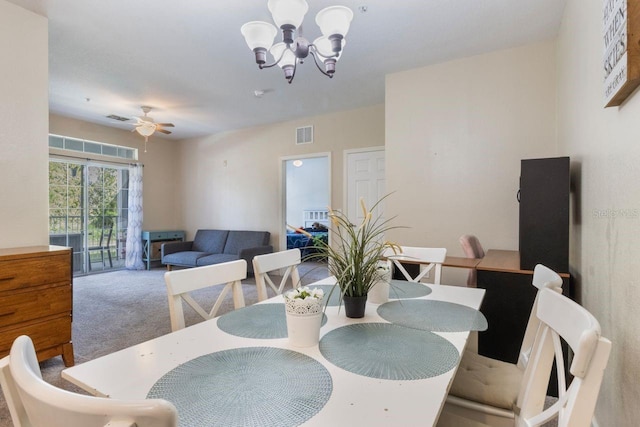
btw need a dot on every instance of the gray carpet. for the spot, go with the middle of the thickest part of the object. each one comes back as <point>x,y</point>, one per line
<point>115,310</point>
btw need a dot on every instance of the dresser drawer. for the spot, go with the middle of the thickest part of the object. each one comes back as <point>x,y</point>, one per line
<point>23,306</point>
<point>47,334</point>
<point>28,272</point>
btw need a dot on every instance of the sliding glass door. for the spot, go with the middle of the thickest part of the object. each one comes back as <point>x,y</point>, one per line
<point>88,212</point>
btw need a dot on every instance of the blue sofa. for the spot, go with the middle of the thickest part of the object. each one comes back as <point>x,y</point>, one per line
<point>217,246</point>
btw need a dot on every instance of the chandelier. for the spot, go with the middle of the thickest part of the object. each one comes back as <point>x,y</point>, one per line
<point>334,24</point>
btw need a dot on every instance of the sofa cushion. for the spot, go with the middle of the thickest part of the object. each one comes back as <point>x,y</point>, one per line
<point>211,241</point>
<point>215,259</point>
<point>239,240</point>
<point>183,258</point>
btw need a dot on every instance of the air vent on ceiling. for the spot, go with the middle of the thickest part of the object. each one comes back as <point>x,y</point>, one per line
<point>119,118</point>
<point>304,135</point>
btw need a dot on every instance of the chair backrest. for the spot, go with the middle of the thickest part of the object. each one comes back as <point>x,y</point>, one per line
<point>543,277</point>
<point>472,249</point>
<point>35,403</point>
<point>562,318</point>
<point>109,234</point>
<point>269,263</point>
<point>430,259</point>
<point>181,282</point>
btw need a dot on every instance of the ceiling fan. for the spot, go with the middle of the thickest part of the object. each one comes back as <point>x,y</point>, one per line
<point>147,127</point>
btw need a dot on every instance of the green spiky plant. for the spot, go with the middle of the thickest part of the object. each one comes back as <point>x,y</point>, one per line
<point>355,252</point>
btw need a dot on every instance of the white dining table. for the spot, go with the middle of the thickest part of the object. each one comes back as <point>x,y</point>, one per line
<point>355,399</point>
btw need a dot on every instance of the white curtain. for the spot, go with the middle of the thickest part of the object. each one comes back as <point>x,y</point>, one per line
<point>134,226</point>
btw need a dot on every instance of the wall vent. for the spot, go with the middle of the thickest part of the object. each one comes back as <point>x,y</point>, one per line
<point>119,118</point>
<point>304,135</point>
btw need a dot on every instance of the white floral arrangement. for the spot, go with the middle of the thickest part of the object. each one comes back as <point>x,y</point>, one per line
<point>303,301</point>
<point>384,271</point>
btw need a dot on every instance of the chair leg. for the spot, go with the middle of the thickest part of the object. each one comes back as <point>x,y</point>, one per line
<point>110,260</point>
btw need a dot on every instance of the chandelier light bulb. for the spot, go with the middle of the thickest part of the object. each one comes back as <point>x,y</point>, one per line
<point>288,12</point>
<point>323,48</point>
<point>334,20</point>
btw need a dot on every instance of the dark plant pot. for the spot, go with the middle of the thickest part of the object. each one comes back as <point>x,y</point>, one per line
<point>354,306</point>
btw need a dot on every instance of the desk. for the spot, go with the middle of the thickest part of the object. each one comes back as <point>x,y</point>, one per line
<point>507,304</point>
<point>152,242</point>
<point>354,400</point>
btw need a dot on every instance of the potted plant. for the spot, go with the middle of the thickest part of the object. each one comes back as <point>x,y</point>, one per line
<point>303,308</point>
<point>354,254</point>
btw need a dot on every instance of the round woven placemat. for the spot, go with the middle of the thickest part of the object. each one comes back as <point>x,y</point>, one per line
<point>401,289</point>
<point>431,315</point>
<point>254,386</point>
<point>260,321</point>
<point>386,351</point>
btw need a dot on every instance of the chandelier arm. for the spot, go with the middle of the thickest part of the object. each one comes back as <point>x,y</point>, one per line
<point>262,66</point>
<point>295,67</point>
<point>315,59</point>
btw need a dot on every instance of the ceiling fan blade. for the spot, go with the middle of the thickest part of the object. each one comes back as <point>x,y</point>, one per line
<point>163,131</point>
<point>167,125</point>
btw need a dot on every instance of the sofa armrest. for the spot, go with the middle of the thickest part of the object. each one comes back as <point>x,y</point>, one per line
<point>173,247</point>
<point>248,253</point>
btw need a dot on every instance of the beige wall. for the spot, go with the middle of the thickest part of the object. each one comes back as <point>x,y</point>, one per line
<point>455,135</point>
<point>23,127</point>
<point>604,145</point>
<point>160,166</point>
<point>232,180</point>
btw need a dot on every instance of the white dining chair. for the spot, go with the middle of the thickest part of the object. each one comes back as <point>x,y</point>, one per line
<point>485,384</point>
<point>276,262</point>
<point>429,259</point>
<point>559,318</point>
<point>180,284</point>
<point>33,402</point>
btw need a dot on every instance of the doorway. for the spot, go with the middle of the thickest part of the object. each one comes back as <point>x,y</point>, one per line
<point>306,189</point>
<point>88,212</point>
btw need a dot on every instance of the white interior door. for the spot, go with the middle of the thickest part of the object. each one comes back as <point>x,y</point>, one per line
<point>365,178</point>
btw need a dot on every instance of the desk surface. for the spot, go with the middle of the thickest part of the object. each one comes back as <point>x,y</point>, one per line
<point>460,262</point>
<point>355,399</point>
<point>504,261</point>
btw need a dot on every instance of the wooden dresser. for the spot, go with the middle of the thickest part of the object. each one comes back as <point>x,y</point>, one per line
<point>36,299</point>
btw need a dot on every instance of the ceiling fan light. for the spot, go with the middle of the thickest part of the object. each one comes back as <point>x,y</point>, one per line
<point>259,34</point>
<point>146,129</point>
<point>288,58</point>
<point>288,12</point>
<point>323,48</point>
<point>334,20</point>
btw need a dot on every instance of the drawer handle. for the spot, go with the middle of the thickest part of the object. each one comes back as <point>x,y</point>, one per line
<point>7,278</point>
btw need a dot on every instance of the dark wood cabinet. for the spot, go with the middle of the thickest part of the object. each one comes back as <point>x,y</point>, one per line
<point>544,213</point>
<point>36,299</point>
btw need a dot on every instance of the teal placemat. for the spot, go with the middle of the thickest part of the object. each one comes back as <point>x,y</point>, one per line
<point>401,289</point>
<point>386,351</point>
<point>260,321</point>
<point>254,386</point>
<point>431,315</point>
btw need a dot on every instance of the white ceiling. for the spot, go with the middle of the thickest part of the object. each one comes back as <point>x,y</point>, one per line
<point>188,60</point>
